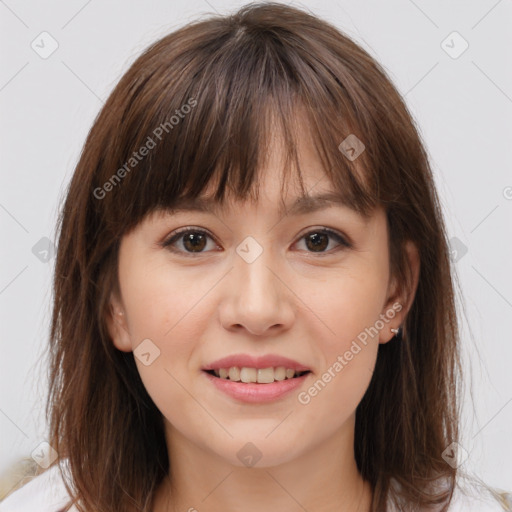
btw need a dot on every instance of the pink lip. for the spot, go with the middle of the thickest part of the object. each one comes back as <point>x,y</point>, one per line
<point>253,392</point>
<point>245,360</point>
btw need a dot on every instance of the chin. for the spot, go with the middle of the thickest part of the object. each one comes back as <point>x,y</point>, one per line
<point>258,452</point>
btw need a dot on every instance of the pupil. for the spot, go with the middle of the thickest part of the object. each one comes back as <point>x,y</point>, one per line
<point>198,244</point>
<point>319,240</point>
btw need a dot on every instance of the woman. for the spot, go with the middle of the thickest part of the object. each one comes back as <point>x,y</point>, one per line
<point>254,304</point>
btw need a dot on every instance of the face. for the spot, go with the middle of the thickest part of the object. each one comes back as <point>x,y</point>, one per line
<point>310,286</point>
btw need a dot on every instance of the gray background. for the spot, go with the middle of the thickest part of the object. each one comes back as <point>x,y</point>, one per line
<point>462,105</point>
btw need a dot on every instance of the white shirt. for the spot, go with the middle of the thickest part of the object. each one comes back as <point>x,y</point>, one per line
<point>44,493</point>
<point>47,493</point>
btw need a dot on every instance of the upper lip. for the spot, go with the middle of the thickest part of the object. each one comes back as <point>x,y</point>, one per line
<point>248,361</point>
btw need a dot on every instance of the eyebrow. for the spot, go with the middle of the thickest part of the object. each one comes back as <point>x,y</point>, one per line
<point>301,206</point>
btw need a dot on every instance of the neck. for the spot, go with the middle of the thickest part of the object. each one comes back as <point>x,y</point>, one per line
<point>324,479</point>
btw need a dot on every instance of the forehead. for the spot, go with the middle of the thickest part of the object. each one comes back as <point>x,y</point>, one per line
<point>317,191</point>
<point>285,182</point>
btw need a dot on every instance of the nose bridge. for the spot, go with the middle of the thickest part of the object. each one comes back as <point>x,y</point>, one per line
<point>253,274</point>
<point>256,297</point>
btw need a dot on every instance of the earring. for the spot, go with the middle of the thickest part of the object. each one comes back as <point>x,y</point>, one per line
<point>397,332</point>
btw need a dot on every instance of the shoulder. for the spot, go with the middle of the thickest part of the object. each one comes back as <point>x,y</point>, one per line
<point>469,495</point>
<point>44,493</point>
<point>472,495</point>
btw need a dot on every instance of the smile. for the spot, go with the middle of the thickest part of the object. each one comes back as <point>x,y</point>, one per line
<point>259,375</point>
<point>252,391</point>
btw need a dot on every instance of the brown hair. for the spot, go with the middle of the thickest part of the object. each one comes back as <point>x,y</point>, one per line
<point>201,100</point>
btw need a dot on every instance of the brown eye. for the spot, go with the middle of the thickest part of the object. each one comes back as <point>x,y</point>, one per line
<point>191,241</point>
<point>194,242</point>
<point>188,241</point>
<point>318,241</point>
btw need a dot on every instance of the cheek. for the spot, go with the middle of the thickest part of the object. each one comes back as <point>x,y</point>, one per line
<point>349,304</point>
<point>161,303</point>
<point>348,361</point>
<point>349,307</point>
<point>169,308</point>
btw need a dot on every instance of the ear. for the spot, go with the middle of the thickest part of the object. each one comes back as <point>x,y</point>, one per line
<point>117,325</point>
<point>400,298</point>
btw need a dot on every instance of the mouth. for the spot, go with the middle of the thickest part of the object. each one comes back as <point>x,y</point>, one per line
<point>247,375</point>
<point>256,385</point>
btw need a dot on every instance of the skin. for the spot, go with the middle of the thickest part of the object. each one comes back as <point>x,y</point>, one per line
<point>306,305</point>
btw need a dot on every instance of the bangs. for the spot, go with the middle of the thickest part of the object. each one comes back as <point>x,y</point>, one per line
<point>208,115</point>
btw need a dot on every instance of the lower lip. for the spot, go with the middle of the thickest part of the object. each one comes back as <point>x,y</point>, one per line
<point>254,393</point>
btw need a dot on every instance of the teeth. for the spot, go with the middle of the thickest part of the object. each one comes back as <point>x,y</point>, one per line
<point>259,375</point>
<point>234,373</point>
<point>265,375</point>
<point>280,373</point>
<point>248,374</point>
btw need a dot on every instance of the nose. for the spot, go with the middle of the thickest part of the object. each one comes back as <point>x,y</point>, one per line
<point>256,296</point>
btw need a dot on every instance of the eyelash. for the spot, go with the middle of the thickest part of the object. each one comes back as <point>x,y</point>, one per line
<point>180,232</point>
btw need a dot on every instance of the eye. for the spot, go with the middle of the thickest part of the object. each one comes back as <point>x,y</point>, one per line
<point>195,241</point>
<point>318,240</point>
